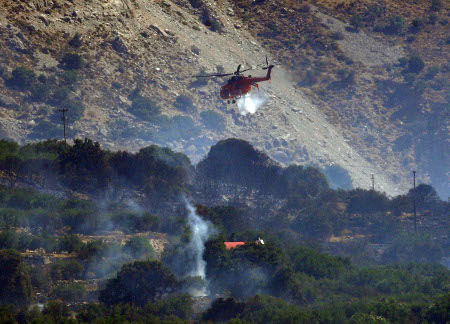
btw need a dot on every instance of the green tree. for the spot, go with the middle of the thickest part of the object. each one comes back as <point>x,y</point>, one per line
<point>14,279</point>
<point>139,283</point>
<point>84,166</point>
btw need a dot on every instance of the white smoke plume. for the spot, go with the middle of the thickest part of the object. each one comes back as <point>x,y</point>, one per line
<point>251,102</point>
<point>201,230</point>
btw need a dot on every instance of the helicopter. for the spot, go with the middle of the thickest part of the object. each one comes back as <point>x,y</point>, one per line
<point>239,85</point>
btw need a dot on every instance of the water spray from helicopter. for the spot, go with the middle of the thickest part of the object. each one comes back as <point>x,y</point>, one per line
<point>251,102</point>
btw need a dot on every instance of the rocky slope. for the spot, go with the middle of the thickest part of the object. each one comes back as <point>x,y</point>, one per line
<point>156,47</point>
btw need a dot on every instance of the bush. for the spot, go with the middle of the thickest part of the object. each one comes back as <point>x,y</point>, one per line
<point>357,20</point>
<point>135,222</point>
<point>319,265</point>
<point>413,248</point>
<point>70,243</point>
<point>181,127</point>
<point>138,283</point>
<point>60,95</point>
<point>40,91</point>
<point>338,177</point>
<point>14,279</point>
<point>415,64</point>
<point>47,130</point>
<point>184,103</point>
<point>138,247</point>
<point>309,78</point>
<point>213,120</point>
<point>70,77</point>
<point>56,311</point>
<point>76,41</point>
<point>66,270</point>
<point>75,110</point>
<point>144,108</point>
<point>22,79</point>
<point>73,292</point>
<point>431,72</point>
<point>72,61</point>
<point>436,5</point>
<point>393,26</point>
<point>416,25</point>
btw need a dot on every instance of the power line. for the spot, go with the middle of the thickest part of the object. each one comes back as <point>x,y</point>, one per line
<point>64,118</point>
<point>414,202</point>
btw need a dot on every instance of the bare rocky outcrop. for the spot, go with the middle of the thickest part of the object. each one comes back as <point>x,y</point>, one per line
<point>149,45</point>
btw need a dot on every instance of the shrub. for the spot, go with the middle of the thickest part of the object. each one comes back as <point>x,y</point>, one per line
<point>22,78</point>
<point>14,279</point>
<point>138,247</point>
<point>413,248</point>
<point>393,26</point>
<point>69,77</point>
<point>415,64</point>
<point>436,5</point>
<point>66,270</point>
<point>432,19</point>
<point>46,129</point>
<point>138,283</point>
<point>431,72</point>
<point>73,292</point>
<point>309,78</point>
<point>72,61</point>
<point>144,108</point>
<point>222,310</point>
<point>70,243</point>
<point>56,311</point>
<point>416,25</point>
<point>60,95</point>
<point>357,20</point>
<point>184,103</point>
<point>213,120</point>
<point>181,127</point>
<point>40,91</point>
<point>76,41</point>
<point>178,305</point>
<point>338,177</point>
<point>319,265</point>
<point>76,110</point>
<point>346,76</point>
<point>134,222</point>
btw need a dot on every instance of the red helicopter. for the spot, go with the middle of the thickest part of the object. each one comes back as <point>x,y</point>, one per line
<point>239,85</point>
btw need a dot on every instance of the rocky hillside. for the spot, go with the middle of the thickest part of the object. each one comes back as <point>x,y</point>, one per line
<point>124,70</point>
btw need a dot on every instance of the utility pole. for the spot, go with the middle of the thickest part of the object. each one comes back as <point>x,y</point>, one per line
<point>373,182</point>
<point>414,202</point>
<point>64,118</point>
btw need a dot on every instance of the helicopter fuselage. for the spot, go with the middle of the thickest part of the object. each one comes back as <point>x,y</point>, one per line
<point>238,86</point>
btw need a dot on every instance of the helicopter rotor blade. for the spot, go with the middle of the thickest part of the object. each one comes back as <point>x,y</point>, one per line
<point>212,75</point>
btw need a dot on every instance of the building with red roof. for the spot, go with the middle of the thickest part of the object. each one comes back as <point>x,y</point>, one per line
<point>232,245</point>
